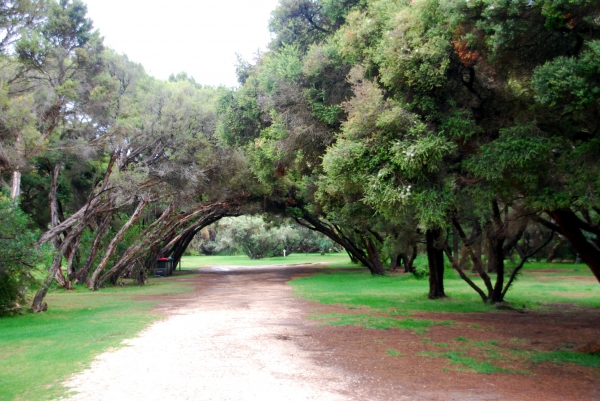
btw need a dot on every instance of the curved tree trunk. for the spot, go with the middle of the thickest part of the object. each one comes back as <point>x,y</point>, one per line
<point>38,304</point>
<point>569,224</point>
<point>331,231</point>
<point>93,282</point>
<point>82,274</point>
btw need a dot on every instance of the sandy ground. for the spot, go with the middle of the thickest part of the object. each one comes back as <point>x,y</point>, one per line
<point>231,342</point>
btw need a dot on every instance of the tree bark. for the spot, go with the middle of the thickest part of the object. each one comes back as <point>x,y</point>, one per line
<point>93,282</point>
<point>16,184</point>
<point>38,304</point>
<point>555,248</point>
<point>74,247</point>
<point>569,225</point>
<point>435,259</point>
<point>337,236</point>
<point>395,261</point>
<point>15,191</point>
<point>82,274</point>
<point>53,201</point>
<point>409,262</point>
<point>375,265</point>
<point>476,259</point>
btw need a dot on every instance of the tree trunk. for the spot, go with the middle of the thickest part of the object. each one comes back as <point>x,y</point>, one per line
<point>353,258</point>
<point>555,248</point>
<point>568,223</point>
<point>375,265</point>
<point>496,261</point>
<point>53,201</point>
<point>70,259</point>
<point>335,234</point>
<point>395,261</point>
<point>475,258</point>
<point>435,259</point>
<point>16,184</point>
<point>82,274</point>
<point>455,243</point>
<point>476,241</point>
<point>409,262</point>
<point>15,191</point>
<point>38,304</point>
<point>93,282</point>
<point>163,228</point>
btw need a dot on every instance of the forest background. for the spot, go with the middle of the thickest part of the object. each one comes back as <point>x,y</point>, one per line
<point>464,130</point>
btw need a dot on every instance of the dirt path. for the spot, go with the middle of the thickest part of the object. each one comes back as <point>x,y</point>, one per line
<point>243,336</point>
<point>231,341</point>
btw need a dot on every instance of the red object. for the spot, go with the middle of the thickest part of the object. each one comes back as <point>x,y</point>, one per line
<point>163,259</point>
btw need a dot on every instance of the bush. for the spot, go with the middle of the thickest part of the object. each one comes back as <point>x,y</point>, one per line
<point>257,238</point>
<point>18,256</point>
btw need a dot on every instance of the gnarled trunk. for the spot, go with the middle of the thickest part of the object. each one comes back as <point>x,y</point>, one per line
<point>93,282</point>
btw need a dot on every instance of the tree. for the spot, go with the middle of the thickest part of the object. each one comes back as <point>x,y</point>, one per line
<point>19,259</point>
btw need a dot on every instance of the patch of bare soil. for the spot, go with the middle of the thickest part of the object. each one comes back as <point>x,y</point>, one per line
<point>243,336</point>
<point>506,339</point>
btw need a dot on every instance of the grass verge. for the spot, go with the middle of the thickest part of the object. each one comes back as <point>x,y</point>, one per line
<point>401,295</point>
<point>38,352</point>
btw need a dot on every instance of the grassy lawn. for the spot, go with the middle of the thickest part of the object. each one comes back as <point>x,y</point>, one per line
<point>196,262</point>
<point>403,294</point>
<point>38,352</point>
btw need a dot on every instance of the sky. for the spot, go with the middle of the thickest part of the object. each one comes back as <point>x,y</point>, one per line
<point>200,37</point>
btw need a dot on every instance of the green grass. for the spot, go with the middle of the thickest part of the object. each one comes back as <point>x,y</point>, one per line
<point>393,352</point>
<point>559,265</point>
<point>38,352</point>
<point>379,322</point>
<point>196,262</point>
<point>564,356</point>
<point>459,358</point>
<point>404,294</point>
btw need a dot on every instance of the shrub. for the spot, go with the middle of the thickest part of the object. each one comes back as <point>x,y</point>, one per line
<point>18,256</point>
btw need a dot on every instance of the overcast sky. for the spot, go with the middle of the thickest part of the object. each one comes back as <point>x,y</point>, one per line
<point>200,37</point>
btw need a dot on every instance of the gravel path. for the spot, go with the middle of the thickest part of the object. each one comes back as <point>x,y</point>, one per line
<point>228,343</point>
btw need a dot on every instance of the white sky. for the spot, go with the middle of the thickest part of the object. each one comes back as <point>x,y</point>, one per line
<point>199,37</point>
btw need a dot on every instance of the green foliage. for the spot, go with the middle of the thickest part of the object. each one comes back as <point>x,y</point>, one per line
<point>572,83</point>
<point>258,238</point>
<point>19,258</point>
<point>284,65</point>
<point>304,22</point>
